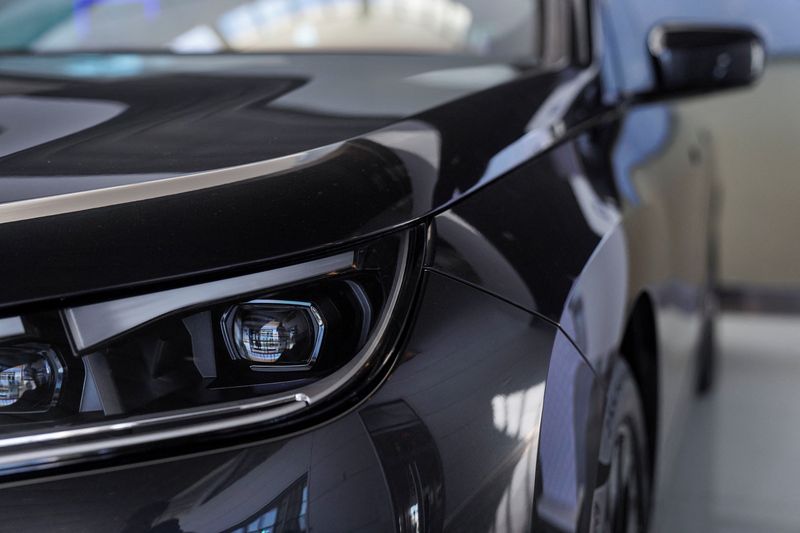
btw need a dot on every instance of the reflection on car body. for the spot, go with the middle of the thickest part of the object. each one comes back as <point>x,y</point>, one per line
<point>276,266</point>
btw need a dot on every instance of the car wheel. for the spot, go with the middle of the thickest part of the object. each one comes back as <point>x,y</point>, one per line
<point>707,363</point>
<point>621,502</point>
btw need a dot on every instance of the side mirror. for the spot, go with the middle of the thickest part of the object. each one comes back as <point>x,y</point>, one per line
<point>691,60</point>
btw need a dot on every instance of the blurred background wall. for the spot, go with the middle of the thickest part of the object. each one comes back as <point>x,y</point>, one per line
<point>757,138</point>
<point>759,166</point>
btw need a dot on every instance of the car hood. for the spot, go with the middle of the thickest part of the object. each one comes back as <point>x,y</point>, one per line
<point>79,122</point>
<point>130,169</point>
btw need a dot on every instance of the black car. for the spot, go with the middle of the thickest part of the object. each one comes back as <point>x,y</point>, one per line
<point>341,265</point>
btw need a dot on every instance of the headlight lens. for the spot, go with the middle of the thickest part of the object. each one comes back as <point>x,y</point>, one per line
<point>208,357</point>
<point>274,334</point>
<point>30,378</point>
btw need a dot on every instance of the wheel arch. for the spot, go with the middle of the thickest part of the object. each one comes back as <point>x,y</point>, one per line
<point>639,348</point>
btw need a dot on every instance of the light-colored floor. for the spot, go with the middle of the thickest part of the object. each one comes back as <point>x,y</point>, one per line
<point>739,465</point>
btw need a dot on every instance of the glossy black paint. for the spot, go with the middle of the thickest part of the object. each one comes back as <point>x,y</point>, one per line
<point>699,59</point>
<point>554,208</point>
<point>506,251</point>
<point>447,431</point>
<point>367,183</point>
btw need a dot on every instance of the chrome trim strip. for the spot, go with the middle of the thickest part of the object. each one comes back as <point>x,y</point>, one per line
<point>119,433</point>
<point>48,456</point>
<point>127,425</point>
<point>134,192</point>
<point>92,324</point>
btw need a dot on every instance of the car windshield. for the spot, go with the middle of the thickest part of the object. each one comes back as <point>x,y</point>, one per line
<point>476,27</point>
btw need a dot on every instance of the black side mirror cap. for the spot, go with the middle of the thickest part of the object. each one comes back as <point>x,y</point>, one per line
<point>692,60</point>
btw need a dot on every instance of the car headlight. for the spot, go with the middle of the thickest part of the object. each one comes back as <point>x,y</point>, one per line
<point>243,352</point>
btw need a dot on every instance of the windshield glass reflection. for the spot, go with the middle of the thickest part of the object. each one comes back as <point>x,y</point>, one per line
<point>477,27</point>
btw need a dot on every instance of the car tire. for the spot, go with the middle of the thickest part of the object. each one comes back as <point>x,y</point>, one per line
<point>707,362</point>
<point>621,502</point>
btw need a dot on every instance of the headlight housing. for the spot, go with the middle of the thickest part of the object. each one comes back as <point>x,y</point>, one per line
<point>249,351</point>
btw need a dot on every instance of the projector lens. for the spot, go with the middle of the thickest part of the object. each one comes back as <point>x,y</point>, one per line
<point>276,334</point>
<point>30,378</point>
